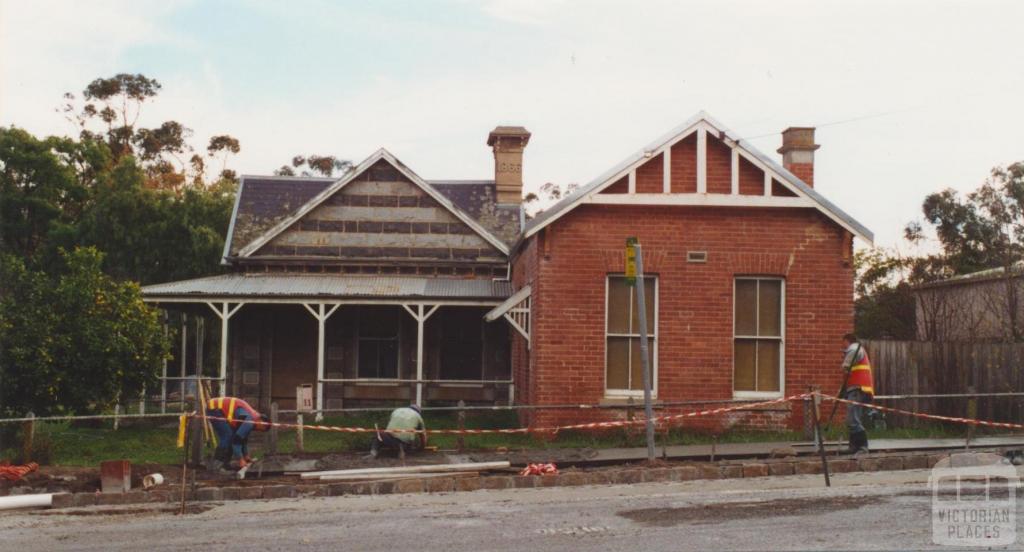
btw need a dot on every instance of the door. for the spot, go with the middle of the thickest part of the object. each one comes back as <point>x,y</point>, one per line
<point>294,356</point>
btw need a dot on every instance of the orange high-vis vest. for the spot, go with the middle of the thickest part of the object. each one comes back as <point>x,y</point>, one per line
<point>860,375</point>
<point>228,406</point>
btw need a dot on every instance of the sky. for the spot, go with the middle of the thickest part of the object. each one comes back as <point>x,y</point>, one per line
<point>909,97</point>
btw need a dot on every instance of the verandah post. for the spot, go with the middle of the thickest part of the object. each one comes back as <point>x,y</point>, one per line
<point>272,437</point>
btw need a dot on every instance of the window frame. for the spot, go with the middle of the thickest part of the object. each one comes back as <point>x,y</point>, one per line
<point>652,334</point>
<point>359,338</point>
<point>738,394</point>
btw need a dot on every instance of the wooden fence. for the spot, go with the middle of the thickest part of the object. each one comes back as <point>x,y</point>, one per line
<point>921,368</point>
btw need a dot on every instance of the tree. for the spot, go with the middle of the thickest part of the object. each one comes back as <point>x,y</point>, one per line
<point>884,302</point>
<point>225,146</point>
<point>102,345</point>
<point>323,165</point>
<point>535,203</point>
<point>43,184</point>
<point>155,236</point>
<point>117,103</point>
<point>111,114</point>
<point>983,230</point>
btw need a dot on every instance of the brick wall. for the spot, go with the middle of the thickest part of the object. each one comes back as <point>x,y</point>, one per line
<point>719,173</point>
<point>684,165</point>
<point>524,273</point>
<point>650,177</point>
<point>572,257</point>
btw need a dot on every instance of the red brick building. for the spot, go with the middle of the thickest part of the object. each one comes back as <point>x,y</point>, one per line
<point>749,282</point>
<point>749,278</point>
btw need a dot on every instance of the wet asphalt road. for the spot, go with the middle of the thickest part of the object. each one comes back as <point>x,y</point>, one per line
<point>864,511</point>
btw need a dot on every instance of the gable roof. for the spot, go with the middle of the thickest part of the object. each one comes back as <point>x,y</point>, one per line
<point>578,196</point>
<point>263,201</point>
<point>334,186</point>
<point>479,199</point>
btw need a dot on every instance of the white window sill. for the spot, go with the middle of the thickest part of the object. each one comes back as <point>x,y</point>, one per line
<point>623,396</point>
<point>766,395</point>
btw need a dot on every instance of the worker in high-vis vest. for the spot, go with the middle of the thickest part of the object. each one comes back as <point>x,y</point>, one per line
<point>405,431</point>
<point>233,420</point>
<point>860,387</point>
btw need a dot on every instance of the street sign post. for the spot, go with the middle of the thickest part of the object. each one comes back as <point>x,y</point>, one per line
<point>634,274</point>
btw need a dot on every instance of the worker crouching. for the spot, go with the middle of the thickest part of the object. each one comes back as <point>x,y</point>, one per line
<point>405,432</point>
<point>233,420</point>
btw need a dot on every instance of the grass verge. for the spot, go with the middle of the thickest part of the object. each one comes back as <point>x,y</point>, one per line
<point>80,444</point>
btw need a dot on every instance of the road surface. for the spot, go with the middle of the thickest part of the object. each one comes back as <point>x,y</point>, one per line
<point>862,511</point>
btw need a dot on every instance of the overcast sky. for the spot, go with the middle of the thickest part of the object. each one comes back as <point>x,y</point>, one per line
<point>909,97</point>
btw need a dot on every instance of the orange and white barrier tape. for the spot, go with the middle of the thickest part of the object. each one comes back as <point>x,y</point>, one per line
<point>539,469</point>
<point>553,430</point>
<point>968,421</point>
<point>14,473</point>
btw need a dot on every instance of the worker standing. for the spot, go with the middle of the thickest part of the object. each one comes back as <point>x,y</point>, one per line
<point>233,420</point>
<point>859,388</point>
<point>405,431</point>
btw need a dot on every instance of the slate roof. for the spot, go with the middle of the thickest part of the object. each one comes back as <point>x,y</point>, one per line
<point>478,198</point>
<point>264,201</point>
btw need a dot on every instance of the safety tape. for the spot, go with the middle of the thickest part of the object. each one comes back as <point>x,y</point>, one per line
<point>521,430</point>
<point>969,421</point>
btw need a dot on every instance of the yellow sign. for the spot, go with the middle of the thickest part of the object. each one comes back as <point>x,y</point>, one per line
<point>631,261</point>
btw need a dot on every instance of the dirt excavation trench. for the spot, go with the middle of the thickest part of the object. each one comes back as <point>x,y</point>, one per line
<point>279,475</point>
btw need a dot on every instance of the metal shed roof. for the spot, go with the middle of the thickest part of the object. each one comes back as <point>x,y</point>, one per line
<point>329,285</point>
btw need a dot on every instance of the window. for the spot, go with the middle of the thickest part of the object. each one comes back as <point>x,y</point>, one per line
<point>758,330</point>
<point>378,343</point>
<point>623,368</point>
<point>462,343</point>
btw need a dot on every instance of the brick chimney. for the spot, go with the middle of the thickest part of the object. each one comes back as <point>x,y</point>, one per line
<point>798,152</point>
<point>508,143</point>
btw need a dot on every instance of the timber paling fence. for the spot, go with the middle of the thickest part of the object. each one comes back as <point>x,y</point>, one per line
<point>954,370</point>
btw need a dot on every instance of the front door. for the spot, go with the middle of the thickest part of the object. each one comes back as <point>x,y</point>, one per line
<point>294,356</point>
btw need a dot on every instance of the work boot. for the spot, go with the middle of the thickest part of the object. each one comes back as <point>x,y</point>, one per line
<point>859,443</point>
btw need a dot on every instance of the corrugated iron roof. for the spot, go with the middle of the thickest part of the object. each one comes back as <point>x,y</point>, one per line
<point>330,285</point>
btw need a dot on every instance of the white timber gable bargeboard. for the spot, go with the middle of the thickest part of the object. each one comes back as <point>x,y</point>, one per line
<point>699,163</point>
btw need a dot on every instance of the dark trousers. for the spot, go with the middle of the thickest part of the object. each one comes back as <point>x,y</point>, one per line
<point>232,443</point>
<point>389,441</point>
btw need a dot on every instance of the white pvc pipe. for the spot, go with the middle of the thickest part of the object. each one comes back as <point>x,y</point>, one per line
<point>26,501</point>
<point>152,480</point>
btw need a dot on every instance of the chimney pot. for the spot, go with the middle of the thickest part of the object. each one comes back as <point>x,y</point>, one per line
<point>508,143</point>
<point>798,152</point>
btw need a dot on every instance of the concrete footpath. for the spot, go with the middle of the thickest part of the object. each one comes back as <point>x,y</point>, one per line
<point>875,510</point>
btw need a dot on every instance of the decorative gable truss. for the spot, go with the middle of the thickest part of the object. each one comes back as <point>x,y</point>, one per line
<point>516,310</point>
<point>297,228</point>
<point>700,164</point>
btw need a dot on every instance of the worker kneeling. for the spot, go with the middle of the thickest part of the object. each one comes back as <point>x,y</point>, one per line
<point>405,431</point>
<point>233,420</point>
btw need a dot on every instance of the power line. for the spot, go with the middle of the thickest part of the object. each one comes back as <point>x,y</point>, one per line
<point>842,121</point>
